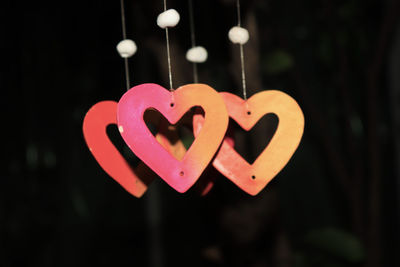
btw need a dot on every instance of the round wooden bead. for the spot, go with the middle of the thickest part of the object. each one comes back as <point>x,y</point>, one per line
<point>169,18</point>
<point>126,48</point>
<point>197,54</point>
<point>238,35</point>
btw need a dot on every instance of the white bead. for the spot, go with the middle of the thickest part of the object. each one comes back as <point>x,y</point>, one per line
<point>197,54</point>
<point>168,18</point>
<point>238,35</point>
<point>126,48</point>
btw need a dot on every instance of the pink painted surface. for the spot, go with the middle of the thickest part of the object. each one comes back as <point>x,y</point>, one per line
<point>113,163</point>
<point>253,178</point>
<point>179,174</point>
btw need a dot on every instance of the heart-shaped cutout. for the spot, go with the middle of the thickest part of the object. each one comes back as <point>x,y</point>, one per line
<point>185,134</point>
<point>253,178</point>
<point>179,174</point>
<point>181,127</point>
<point>133,180</point>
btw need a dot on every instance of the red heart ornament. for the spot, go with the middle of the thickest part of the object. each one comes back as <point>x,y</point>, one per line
<point>109,158</point>
<point>179,174</point>
<point>253,178</point>
<point>136,180</point>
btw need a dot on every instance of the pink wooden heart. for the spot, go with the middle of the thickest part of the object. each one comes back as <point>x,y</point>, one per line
<point>179,174</point>
<point>253,178</point>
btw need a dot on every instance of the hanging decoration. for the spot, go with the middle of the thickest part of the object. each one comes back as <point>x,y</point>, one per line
<point>252,178</point>
<point>164,154</point>
<point>172,104</point>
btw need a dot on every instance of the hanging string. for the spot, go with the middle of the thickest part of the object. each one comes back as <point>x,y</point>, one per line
<point>193,39</point>
<point>241,53</point>
<point>124,37</point>
<point>168,53</point>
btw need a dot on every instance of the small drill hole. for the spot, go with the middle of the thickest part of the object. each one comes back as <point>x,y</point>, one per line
<point>172,104</point>
<point>253,177</point>
<point>248,112</point>
<point>181,173</point>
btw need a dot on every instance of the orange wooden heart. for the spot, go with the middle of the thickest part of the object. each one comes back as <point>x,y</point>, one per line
<point>136,180</point>
<point>253,178</point>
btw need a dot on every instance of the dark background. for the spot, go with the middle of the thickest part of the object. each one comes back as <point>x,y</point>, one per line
<point>336,203</point>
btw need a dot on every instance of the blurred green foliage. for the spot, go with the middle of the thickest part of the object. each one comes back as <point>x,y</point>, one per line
<point>278,62</point>
<point>334,244</point>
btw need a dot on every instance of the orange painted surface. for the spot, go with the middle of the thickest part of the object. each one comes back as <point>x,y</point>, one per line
<point>253,178</point>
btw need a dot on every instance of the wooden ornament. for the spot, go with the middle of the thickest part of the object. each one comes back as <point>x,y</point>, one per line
<point>253,178</point>
<point>133,180</point>
<point>179,174</point>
